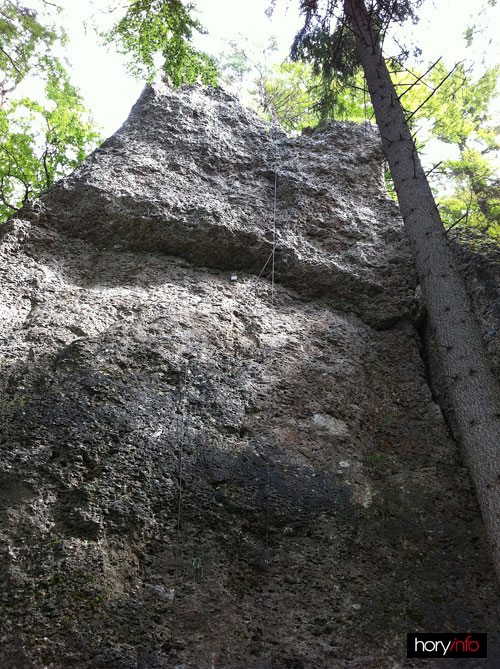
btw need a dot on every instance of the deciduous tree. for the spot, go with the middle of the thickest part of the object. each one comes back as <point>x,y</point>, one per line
<point>41,139</point>
<point>164,28</point>
<point>25,44</point>
<point>41,142</point>
<point>460,117</point>
<point>292,95</point>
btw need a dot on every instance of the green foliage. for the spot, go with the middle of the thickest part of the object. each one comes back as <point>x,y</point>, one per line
<point>374,459</point>
<point>469,35</point>
<point>25,44</point>
<point>333,59</point>
<point>40,143</point>
<point>165,27</point>
<point>243,62</point>
<point>459,109</point>
<point>287,96</point>
<point>234,65</point>
<point>470,184</point>
<point>467,188</point>
<point>475,199</point>
<point>43,139</point>
<point>327,42</point>
<point>292,95</point>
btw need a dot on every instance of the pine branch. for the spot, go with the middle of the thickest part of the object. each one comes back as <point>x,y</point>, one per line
<point>433,92</point>
<point>435,167</point>
<point>409,72</point>
<point>420,78</point>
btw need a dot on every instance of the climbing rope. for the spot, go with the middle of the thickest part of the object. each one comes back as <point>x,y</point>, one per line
<point>272,260</point>
<point>181,430</point>
<point>256,281</point>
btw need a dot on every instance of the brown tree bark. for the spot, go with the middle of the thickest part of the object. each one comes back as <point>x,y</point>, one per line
<point>473,390</point>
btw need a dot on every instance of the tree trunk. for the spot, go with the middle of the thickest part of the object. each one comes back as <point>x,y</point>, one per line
<point>473,391</point>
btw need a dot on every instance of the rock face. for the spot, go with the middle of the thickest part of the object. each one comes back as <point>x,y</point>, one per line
<point>200,467</point>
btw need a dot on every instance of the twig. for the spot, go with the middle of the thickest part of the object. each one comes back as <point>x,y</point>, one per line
<point>2,194</point>
<point>434,91</point>
<point>11,60</point>
<point>435,167</point>
<point>456,222</point>
<point>409,72</point>
<point>420,78</point>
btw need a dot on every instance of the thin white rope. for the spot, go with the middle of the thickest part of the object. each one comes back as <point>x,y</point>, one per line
<point>262,270</point>
<point>181,415</point>
<point>267,557</point>
<point>274,239</point>
<point>272,255</point>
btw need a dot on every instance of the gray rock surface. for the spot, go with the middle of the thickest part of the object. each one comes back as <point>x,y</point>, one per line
<point>193,176</point>
<point>202,471</point>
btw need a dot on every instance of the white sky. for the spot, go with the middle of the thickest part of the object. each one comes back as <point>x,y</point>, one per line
<point>109,93</point>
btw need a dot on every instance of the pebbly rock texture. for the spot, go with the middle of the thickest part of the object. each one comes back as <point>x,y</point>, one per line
<point>200,468</point>
<point>193,176</point>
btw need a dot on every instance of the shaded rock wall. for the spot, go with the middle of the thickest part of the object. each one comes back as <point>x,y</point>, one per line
<point>198,471</point>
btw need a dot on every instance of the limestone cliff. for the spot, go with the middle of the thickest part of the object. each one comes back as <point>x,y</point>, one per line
<point>200,468</point>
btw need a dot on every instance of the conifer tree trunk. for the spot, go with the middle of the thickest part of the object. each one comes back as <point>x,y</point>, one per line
<point>473,390</point>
